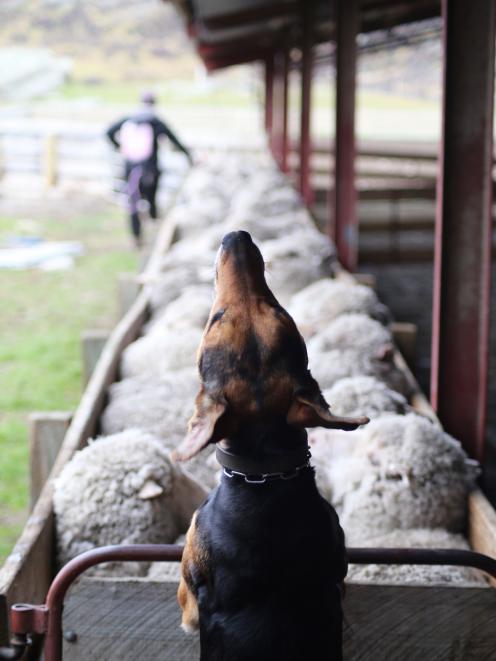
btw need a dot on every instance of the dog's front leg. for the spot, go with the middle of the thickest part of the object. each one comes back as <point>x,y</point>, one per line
<point>192,568</point>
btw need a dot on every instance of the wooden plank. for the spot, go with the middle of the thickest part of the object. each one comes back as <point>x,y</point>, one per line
<point>405,338</point>
<point>126,619</point>
<point>46,434</point>
<point>482,525</point>
<point>92,343</point>
<point>50,160</point>
<point>128,289</point>
<point>406,623</point>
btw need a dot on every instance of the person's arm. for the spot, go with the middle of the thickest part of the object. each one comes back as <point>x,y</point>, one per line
<point>162,129</point>
<point>113,130</point>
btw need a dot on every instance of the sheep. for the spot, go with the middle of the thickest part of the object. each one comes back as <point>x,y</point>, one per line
<point>405,472</point>
<point>190,308</point>
<point>162,407</point>
<point>297,259</point>
<point>122,489</point>
<point>330,450</point>
<point>200,251</point>
<point>262,227</point>
<point>352,331</point>
<point>170,284</point>
<point>353,345</point>
<point>323,301</point>
<point>193,218</point>
<point>359,395</point>
<point>364,395</point>
<point>160,351</point>
<point>157,405</point>
<point>422,538</point>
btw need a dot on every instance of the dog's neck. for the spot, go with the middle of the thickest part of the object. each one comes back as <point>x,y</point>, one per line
<point>260,448</point>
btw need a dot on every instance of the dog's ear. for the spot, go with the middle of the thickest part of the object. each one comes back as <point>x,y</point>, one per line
<point>309,409</point>
<point>203,428</point>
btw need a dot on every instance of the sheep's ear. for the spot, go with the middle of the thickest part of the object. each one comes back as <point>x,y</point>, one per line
<point>203,427</point>
<point>309,409</point>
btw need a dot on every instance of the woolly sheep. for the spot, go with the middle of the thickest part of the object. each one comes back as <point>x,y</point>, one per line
<point>190,308</point>
<point>353,345</point>
<point>160,351</point>
<point>200,251</point>
<point>161,406</point>
<point>421,538</point>
<point>364,395</point>
<point>296,259</point>
<point>352,331</point>
<point>262,227</point>
<point>323,301</point>
<point>331,450</point>
<point>199,213</point>
<point>170,284</point>
<point>122,489</point>
<point>405,472</point>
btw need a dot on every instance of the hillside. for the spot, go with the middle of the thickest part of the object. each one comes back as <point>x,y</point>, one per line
<point>108,40</point>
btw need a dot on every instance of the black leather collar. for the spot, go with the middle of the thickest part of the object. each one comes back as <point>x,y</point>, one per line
<point>259,471</point>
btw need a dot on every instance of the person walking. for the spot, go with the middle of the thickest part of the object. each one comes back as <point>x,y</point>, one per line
<point>137,138</point>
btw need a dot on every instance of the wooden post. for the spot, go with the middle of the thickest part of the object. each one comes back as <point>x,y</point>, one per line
<point>46,433</point>
<point>405,337</point>
<point>462,263</point>
<point>343,223</point>
<point>128,290</point>
<point>92,343</point>
<point>50,160</point>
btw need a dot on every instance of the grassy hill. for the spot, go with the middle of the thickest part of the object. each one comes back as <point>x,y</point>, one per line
<point>108,40</point>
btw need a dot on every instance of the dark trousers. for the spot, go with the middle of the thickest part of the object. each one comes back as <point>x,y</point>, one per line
<point>142,183</point>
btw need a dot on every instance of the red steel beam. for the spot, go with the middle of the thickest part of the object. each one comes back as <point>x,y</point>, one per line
<point>305,109</point>
<point>269,98</point>
<point>343,226</point>
<point>462,262</point>
<point>220,61</point>
<point>263,12</point>
<point>280,122</point>
<point>285,112</point>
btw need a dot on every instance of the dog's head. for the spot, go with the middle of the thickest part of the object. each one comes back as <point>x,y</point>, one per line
<point>252,360</point>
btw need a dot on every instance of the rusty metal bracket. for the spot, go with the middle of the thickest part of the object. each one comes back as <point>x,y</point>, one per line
<point>26,620</point>
<point>47,619</point>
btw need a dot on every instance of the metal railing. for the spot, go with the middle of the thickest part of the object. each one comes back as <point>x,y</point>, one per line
<point>27,620</point>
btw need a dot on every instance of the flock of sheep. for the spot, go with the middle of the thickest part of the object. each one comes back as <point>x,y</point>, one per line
<point>399,481</point>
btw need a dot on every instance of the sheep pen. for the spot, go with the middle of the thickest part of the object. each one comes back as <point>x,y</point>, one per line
<point>351,354</point>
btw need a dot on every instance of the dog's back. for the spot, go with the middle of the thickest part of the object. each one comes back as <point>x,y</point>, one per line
<point>276,558</point>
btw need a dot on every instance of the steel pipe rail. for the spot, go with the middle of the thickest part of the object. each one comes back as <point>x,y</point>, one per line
<point>27,619</point>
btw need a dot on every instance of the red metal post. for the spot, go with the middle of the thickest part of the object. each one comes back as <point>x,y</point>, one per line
<point>269,98</point>
<point>343,226</point>
<point>285,112</point>
<point>462,262</point>
<point>280,108</point>
<point>305,109</point>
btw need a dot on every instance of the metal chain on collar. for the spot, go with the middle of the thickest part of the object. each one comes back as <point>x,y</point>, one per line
<point>268,477</point>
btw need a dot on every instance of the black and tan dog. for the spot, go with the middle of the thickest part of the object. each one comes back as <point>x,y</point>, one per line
<point>264,557</point>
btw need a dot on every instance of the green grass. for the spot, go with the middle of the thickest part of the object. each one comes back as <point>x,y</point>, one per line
<point>43,315</point>
<point>173,94</point>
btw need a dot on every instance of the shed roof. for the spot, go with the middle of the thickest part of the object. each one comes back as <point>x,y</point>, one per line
<point>228,32</point>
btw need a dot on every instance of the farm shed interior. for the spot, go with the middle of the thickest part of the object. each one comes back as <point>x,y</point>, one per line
<point>230,34</point>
